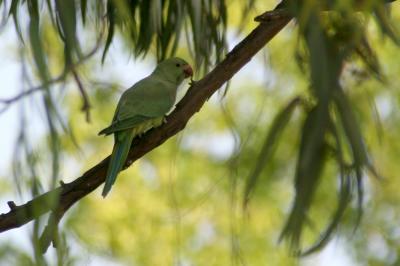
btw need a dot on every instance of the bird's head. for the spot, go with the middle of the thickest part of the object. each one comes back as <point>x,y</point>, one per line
<point>175,69</point>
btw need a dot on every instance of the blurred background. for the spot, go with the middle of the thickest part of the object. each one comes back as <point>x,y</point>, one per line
<point>182,203</point>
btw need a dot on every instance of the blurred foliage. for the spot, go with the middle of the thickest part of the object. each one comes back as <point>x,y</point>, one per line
<point>318,104</point>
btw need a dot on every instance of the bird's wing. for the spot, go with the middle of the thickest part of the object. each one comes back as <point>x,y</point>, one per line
<point>149,97</point>
<point>126,123</point>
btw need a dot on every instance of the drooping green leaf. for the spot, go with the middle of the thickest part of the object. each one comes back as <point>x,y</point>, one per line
<point>83,11</point>
<point>66,16</point>
<point>386,26</point>
<point>351,128</point>
<point>344,195</point>
<point>370,59</point>
<point>51,12</point>
<point>14,12</point>
<point>310,163</point>
<point>356,141</point>
<point>267,150</point>
<point>111,27</point>
<point>36,41</point>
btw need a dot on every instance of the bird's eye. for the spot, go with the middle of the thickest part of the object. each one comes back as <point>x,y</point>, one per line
<point>178,65</point>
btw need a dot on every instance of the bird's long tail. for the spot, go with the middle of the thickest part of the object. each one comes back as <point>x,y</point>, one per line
<point>120,151</point>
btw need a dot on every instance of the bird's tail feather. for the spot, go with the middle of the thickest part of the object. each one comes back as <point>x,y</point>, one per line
<point>118,158</point>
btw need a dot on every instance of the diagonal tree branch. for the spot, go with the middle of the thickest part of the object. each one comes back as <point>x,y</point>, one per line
<point>60,199</point>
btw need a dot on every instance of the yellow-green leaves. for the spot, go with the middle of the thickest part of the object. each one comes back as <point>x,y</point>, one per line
<point>330,127</point>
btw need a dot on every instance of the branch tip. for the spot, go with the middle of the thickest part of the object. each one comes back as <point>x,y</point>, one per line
<point>12,205</point>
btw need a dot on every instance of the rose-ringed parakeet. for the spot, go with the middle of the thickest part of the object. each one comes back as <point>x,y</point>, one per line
<point>142,107</point>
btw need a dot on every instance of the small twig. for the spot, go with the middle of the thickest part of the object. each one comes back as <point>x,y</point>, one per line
<point>60,78</point>
<point>32,90</point>
<point>86,104</point>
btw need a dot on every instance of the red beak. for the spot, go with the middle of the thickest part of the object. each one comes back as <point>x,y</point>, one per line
<point>187,69</point>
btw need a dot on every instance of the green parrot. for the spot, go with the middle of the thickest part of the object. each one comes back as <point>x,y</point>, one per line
<point>142,107</point>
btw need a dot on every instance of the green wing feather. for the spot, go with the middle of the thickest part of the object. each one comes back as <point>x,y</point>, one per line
<point>123,140</point>
<point>123,124</point>
<point>122,144</point>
